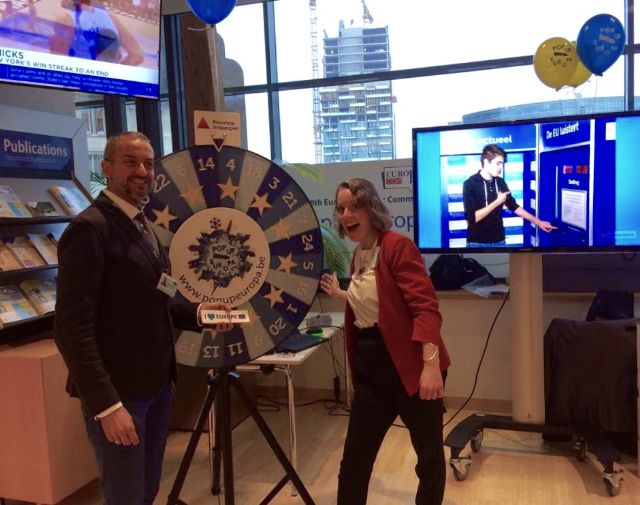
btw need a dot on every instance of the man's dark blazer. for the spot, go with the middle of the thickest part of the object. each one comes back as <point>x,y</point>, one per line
<point>113,326</point>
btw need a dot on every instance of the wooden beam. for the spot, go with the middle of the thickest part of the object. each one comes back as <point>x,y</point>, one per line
<point>203,89</point>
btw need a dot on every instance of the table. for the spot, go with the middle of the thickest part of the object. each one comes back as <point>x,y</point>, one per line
<point>282,362</point>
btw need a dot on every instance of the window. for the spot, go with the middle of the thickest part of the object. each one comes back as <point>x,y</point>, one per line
<point>418,33</point>
<point>431,66</point>
<point>254,121</point>
<point>90,108</point>
<point>428,60</point>
<point>243,46</point>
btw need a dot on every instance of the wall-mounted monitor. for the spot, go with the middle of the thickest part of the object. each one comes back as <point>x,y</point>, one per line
<point>578,174</point>
<point>96,46</point>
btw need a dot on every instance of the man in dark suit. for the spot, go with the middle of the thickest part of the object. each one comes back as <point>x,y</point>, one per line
<point>114,321</point>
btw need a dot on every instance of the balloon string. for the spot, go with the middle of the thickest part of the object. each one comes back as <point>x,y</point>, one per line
<point>595,96</point>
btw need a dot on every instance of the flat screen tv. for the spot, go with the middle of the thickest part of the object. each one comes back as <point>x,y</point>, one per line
<point>96,46</point>
<point>579,174</point>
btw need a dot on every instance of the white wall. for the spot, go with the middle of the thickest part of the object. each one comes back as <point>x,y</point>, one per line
<point>466,318</point>
<point>466,322</point>
<point>40,99</point>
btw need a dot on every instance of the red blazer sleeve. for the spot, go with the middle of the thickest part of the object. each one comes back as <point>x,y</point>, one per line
<point>407,267</point>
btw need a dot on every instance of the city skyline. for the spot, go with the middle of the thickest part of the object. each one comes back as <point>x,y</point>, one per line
<point>423,34</point>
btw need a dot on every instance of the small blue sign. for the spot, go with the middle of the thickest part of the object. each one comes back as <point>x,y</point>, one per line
<point>565,133</point>
<point>23,154</point>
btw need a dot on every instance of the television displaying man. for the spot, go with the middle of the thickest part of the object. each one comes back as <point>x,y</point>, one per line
<point>484,194</point>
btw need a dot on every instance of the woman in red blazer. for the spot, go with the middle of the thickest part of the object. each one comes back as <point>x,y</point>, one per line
<point>396,354</point>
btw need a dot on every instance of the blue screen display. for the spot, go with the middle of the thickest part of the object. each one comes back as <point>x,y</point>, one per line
<point>570,183</point>
<point>84,45</point>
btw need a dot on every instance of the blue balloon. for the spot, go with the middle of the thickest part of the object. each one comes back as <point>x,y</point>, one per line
<point>211,11</point>
<point>600,42</point>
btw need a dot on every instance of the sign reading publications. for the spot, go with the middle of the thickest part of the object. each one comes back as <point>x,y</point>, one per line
<point>217,128</point>
<point>22,152</point>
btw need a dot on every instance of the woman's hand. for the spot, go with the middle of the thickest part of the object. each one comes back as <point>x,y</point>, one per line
<point>431,385</point>
<point>329,284</point>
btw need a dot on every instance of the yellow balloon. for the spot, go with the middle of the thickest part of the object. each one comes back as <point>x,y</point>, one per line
<point>581,73</point>
<point>555,62</point>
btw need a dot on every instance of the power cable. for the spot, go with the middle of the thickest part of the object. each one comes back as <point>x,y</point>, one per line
<point>486,344</point>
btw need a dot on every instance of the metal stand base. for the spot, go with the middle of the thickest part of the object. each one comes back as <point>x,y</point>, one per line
<point>470,430</point>
<point>223,380</point>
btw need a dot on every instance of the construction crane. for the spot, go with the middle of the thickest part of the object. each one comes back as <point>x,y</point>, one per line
<point>367,18</point>
<point>315,73</point>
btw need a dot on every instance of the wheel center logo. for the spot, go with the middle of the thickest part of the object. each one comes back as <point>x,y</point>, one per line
<point>219,254</point>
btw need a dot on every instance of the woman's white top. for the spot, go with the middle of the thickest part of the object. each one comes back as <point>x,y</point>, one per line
<point>362,294</point>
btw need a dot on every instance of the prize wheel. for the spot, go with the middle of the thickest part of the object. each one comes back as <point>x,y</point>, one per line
<point>239,230</point>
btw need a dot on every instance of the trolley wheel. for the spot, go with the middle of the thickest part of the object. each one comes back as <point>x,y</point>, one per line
<point>476,441</point>
<point>613,489</point>
<point>460,475</point>
<point>460,467</point>
<point>582,451</point>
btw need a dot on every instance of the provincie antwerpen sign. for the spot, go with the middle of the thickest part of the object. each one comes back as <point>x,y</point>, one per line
<point>22,151</point>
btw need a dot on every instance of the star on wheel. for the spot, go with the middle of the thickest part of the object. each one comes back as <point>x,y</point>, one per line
<point>228,189</point>
<point>282,229</point>
<point>260,203</point>
<point>193,195</point>
<point>163,217</point>
<point>275,296</point>
<point>286,263</point>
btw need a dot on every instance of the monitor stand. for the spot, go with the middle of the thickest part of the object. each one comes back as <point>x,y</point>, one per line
<point>527,379</point>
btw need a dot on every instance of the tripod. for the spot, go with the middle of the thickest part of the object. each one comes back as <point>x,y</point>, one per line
<point>222,380</point>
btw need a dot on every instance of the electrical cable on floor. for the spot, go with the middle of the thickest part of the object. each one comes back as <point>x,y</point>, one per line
<point>305,404</point>
<point>266,407</point>
<point>339,409</point>
<point>331,405</point>
<point>486,344</point>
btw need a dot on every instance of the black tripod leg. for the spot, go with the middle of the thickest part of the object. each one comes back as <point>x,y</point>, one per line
<point>174,495</point>
<point>217,449</point>
<point>273,443</point>
<point>227,455</point>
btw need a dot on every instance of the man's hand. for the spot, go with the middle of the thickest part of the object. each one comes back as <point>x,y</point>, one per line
<point>502,197</point>
<point>119,428</point>
<point>546,226</point>
<point>219,327</point>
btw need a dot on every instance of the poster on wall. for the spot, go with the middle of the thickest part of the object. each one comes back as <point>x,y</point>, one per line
<point>25,154</point>
<point>392,179</point>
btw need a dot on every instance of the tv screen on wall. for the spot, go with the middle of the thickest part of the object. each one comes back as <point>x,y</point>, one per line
<point>110,46</point>
<point>574,179</point>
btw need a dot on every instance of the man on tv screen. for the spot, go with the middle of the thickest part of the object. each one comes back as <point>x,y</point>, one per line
<point>84,30</point>
<point>484,194</point>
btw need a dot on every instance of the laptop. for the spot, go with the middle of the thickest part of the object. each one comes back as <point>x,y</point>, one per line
<point>298,341</point>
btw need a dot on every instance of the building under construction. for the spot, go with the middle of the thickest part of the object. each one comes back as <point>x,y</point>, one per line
<point>356,121</point>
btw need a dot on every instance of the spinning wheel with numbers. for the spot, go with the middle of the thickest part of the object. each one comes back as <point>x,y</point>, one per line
<point>239,230</point>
